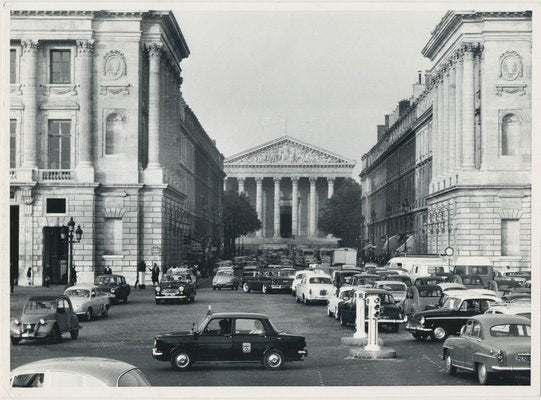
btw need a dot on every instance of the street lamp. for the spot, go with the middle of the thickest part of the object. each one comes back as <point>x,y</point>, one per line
<point>372,222</point>
<point>69,236</point>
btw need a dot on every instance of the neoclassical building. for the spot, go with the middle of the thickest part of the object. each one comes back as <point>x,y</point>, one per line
<point>99,131</point>
<point>287,181</point>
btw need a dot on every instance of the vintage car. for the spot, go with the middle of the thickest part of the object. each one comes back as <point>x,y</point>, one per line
<point>225,278</point>
<point>447,320</point>
<point>271,279</point>
<point>339,296</point>
<point>88,301</point>
<point>249,272</point>
<point>45,317</point>
<point>524,309</point>
<point>402,278</point>
<point>396,288</point>
<point>516,296</point>
<point>443,298</point>
<point>65,372</point>
<point>314,288</point>
<point>362,279</point>
<point>490,345</point>
<point>115,285</point>
<point>339,276</point>
<point>428,280</point>
<point>175,286</point>
<point>420,298</point>
<point>391,313</point>
<point>470,281</point>
<point>244,337</point>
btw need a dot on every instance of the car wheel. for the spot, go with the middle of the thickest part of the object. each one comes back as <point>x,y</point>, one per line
<point>15,340</point>
<point>181,360</point>
<point>105,313</point>
<point>56,336</point>
<point>74,334</point>
<point>449,367</point>
<point>274,360</point>
<point>88,314</point>
<point>246,288</point>
<point>439,334</point>
<point>265,289</point>
<point>482,374</point>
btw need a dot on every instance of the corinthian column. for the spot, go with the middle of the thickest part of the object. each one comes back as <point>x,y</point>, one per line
<point>29,61</point>
<point>312,209</point>
<point>241,184</point>
<point>85,52</point>
<point>295,206</point>
<point>452,120</point>
<point>434,145</point>
<point>276,234</point>
<point>330,184</point>
<point>445,131</point>
<point>458,109</point>
<point>259,202</point>
<point>468,104</point>
<point>154,58</point>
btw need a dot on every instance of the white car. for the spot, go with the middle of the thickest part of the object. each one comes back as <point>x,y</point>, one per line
<point>314,287</point>
<point>522,309</point>
<point>88,301</point>
<point>342,294</point>
<point>298,277</point>
<point>397,288</point>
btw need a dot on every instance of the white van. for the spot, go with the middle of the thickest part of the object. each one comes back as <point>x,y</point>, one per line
<point>418,266</point>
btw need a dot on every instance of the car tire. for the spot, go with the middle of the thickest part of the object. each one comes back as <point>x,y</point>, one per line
<point>483,375</point>
<point>439,334</point>
<point>15,341</point>
<point>181,360</point>
<point>274,360</point>
<point>88,314</point>
<point>246,288</point>
<point>265,289</point>
<point>449,367</point>
<point>105,312</point>
<point>420,336</point>
<point>56,336</point>
<point>74,334</point>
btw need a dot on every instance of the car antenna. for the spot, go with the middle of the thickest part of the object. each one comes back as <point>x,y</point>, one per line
<point>209,312</point>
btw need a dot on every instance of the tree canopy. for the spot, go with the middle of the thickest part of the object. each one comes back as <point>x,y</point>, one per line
<point>341,214</point>
<point>240,218</point>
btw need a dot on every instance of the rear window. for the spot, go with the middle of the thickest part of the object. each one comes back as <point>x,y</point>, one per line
<point>429,292</point>
<point>394,287</point>
<point>133,378</point>
<point>321,280</point>
<point>510,330</point>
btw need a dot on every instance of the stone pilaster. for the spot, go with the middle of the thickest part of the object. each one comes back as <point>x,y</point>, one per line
<point>330,187</point>
<point>241,184</point>
<point>276,207</point>
<point>259,202</point>
<point>452,121</point>
<point>458,110</point>
<point>312,208</point>
<point>445,143</point>
<point>153,172</point>
<point>29,62</point>
<point>468,103</point>
<point>295,206</point>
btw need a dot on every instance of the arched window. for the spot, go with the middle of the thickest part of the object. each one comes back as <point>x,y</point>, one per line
<point>510,135</point>
<point>114,127</point>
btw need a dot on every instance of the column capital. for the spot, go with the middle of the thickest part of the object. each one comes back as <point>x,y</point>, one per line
<point>276,178</point>
<point>30,46</point>
<point>259,179</point>
<point>312,179</point>
<point>85,46</point>
<point>295,179</point>
<point>241,178</point>
<point>154,49</point>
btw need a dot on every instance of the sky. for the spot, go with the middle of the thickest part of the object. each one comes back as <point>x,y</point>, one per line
<point>324,77</point>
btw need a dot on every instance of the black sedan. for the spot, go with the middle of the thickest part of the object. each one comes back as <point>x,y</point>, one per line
<point>269,280</point>
<point>241,337</point>
<point>115,285</point>
<point>175,287</point>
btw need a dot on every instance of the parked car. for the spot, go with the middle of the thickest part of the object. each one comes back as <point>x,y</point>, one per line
<point>249,273</point>
<point>314,288</point>
<point>175,286</point>
<point>270,279</point>
<point>66,372</point>
<point>362,279</point>
<point>339,296</point>
<point>428,280</point>
<point>115,285</point>
<point>473,265</point>
<point>517,296</point>
<point>490,345</point>
<point>246,337</point>
<point>45,317</point>
<point>419,298</point>
<point>339,276</point>
<point>402,278</point>
<point>396,288</point>
<point>443,298</point>
<point>225,278</point>
<point>470,281</point>
<point>524,309</point>
<point>447,320</point>
<point>391,314</point>
<point>88,301</point>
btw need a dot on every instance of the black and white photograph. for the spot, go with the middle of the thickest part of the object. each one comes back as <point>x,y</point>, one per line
<point>270,199</point>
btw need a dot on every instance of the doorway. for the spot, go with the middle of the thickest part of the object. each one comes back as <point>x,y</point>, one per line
<point>14,243</point>
<point>285,221</point>
<point>55,256</point>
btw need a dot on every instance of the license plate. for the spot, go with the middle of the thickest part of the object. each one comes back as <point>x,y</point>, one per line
<point>170,294</point>
<point>523,357</point>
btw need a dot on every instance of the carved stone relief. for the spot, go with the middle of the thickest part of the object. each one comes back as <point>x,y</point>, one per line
<point>114,71</point>
<point>511,69</point>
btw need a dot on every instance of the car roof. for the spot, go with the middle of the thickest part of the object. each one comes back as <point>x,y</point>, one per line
<point>105,369</point>
<point>426,287</point>
<point>88,286</point>
<point>466,294</point>
<point>113,275</point>
<point>390,283</point>
<point>516,307</point>
<point>45,298</point>
<point>493,319</point>
<point>238,315</point>
<point>446,286</point>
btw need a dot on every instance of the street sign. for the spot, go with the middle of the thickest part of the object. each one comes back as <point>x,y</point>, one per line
<point>449,251</point>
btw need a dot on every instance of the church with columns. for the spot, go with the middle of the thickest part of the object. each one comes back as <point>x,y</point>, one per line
<point>287,181</point>
<point>100,132</point>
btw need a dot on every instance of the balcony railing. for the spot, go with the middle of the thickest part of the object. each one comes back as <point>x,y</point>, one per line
<point>56,175</point>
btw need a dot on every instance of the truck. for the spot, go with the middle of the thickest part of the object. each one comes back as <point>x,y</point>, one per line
<point>344,255</point>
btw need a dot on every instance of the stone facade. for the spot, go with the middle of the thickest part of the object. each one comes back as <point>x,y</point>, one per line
<point>100,132</point>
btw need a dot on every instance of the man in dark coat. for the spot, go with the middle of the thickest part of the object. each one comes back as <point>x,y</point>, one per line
<point>155,274</point>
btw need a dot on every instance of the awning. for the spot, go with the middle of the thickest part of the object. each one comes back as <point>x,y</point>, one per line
<point>392,244</point>
<point>407,246</point>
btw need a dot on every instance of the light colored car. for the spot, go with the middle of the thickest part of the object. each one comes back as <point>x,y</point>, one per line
<point>339,295</point>
<point>225,278</point>
<point>88,301</point>
<point>77,372</point>
<point>524,309</point>
<point>397,288</point>
<point>314,287</point>
<point>298,278</point>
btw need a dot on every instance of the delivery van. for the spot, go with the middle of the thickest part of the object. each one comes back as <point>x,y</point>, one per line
<point>419,266</point>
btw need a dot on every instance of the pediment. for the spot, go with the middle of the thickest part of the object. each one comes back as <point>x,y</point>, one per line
<point>287,151</point>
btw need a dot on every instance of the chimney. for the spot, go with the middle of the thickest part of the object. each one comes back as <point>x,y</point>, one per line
<point>420,77</point>
<point>387,121</point>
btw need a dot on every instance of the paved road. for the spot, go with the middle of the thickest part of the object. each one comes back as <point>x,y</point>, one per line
<point>128,334</point>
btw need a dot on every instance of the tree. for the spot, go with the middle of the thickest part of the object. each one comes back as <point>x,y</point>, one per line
<point>240,218</point>
<point>341,214</point>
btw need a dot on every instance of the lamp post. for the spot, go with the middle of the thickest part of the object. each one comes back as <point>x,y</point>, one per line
<point>69,233</point>
<point>372,221</point>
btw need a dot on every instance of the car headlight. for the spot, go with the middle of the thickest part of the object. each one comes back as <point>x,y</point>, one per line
<point>42,321</point>
<point>158,289</point>
<point>112,290</point>
<point>16,321</point>
<point>181,289</point>
<point>422,320</point>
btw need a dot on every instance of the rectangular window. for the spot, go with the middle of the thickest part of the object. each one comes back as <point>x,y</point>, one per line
<point>56,206</point>
<point>60,66</point>
<point>12,143</point>
<point>112,236</point>
<point>59,144</point>
<point>510,237</point>
<point>13,66</point>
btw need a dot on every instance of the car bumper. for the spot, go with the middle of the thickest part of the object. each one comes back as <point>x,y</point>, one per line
<point>171,296</point>
<point>223,285</point>
<point>29,335</point>
<point>416,328</point>
<point>498,368</point>
<point>392,321</point>
<point>303,353</point>
<point>280,287</point>
<point>158,355</point>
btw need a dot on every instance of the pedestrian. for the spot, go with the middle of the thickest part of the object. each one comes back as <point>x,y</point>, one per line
<point>73,277</point>
<point>141,269</point>
<point>108,270</point>
<point>155,274</point>
<point>29,276</point>
<point>47,278</point>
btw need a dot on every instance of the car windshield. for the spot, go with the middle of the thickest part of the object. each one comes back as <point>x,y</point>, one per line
<point>472,281</point>
<point>321,280</point>
<point>77,293</point>
<point>35,307</point>
<point>346,293</point>
<point>134,377</point>
<point>107,280</point>
<point>175,278</point>
<point>224,273</point>
<point>509,330</point>
<point>386,298</point>
<point>429,292</point>
<point>393,287</point>
<point>286,272</point>
<point>451,303</point>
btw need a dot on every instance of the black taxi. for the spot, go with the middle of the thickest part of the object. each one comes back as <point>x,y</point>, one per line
<point>231,337</point>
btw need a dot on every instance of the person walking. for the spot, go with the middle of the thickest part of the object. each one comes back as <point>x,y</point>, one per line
<point>29,276</point>
<point>47,277</point>
<point>155,274</point>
